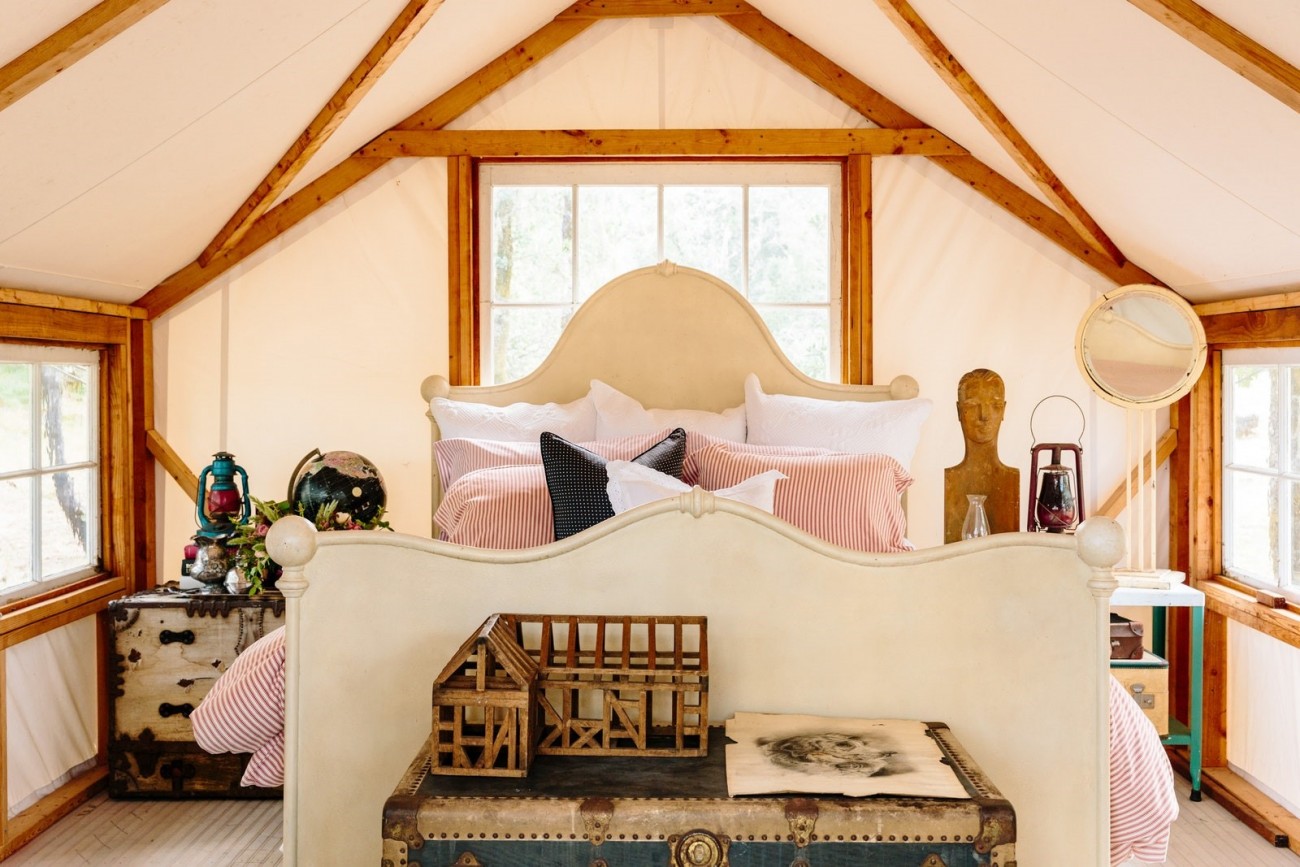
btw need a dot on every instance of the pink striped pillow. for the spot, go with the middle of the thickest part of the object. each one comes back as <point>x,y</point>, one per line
<point>849,500</point>
<point>244,711</point>
<point>498,507</point>
<point>697,444</point>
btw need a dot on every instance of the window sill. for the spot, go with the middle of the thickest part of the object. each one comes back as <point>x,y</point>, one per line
<point>35,617</point>
<point>1224,596</point>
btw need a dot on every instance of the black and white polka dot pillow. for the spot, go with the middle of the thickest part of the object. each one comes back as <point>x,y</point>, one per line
<point>576,478</point>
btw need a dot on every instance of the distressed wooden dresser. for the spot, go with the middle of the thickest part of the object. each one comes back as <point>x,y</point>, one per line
<point>168,650</point>
<point>650,812</point>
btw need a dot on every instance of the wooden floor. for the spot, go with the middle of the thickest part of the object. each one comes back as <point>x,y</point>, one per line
<point>222,833</point>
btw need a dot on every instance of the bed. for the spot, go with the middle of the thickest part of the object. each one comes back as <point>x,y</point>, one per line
<point>1004,638</point>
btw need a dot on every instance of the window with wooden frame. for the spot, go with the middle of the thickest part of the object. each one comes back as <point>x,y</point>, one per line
<point>550,234</point>
<point>1261,468</point>
<point>49,466</point>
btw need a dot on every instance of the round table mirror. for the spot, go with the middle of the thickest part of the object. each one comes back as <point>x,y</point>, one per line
<point>1141,346</point>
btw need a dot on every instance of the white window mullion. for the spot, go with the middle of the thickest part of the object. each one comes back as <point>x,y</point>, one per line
<point>35,485</point>
<point>744,240</point>
<point>663,243</point>
<point>574,297</point>
<point>1283,478</point>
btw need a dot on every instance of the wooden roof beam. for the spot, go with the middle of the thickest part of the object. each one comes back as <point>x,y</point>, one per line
<point>341,177</point>
<point>653,8</point>
<point>659,142</point>
<point>381,56</point>
<point>953,74</point>
<point>847,88</point>
<point>1229,46</point>
<point>69,44</point>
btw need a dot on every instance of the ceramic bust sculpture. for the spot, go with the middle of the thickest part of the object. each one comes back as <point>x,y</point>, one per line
<point>981,403</point>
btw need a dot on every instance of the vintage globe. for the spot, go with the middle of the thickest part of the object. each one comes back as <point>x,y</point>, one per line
<point>344,478</point>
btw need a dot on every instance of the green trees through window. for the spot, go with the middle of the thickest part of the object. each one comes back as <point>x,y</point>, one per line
<point>555,233</point>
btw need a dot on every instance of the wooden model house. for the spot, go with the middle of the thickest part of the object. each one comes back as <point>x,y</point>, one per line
<point>483,706</point>
<point>256,227</point>
<point>525,685</point>
<point>645,676</point>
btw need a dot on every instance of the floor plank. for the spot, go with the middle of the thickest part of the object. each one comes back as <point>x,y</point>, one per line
<point>241,833</point>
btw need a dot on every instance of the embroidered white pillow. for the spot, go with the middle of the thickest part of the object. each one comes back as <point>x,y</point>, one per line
<point>518,422</point>
<point>889,427</point>
<point>631,485</point>
<point>619,415</point>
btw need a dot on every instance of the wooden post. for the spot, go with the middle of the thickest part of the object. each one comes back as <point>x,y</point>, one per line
<point>855,301</point>
<point>462,295</point>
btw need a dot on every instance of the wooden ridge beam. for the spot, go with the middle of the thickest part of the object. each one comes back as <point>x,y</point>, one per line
<point>377,61</point>
<point>69,44</point>
<point>659,142</point>
<point>844,86</point>
<point>978,102</point>
<point>598,9</point>
<point>1229,46</point>
<point>341,177</point>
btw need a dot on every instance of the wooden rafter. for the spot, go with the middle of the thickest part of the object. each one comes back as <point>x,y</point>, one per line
<point>844,86</point>
<point>69,44</point>
<point>536,47</point>
<point>339,179</point>
<point>953,74</point>
<point>653,8</point>
<point>376,62</point>
<point>659,142</point>
<point>1229,46</point>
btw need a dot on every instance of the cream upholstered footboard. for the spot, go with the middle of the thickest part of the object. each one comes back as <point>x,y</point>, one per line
<point>1003,638</point>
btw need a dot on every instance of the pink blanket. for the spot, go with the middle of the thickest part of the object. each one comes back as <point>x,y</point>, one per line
<point>244,712</point>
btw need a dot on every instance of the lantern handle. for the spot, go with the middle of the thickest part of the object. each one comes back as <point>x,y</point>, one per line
<point>1083,421</point>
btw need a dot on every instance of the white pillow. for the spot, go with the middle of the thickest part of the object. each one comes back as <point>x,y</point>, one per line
<point>518,422</point>
<point>890,427</point>
<point>618,415</point>
<point>631,485</point>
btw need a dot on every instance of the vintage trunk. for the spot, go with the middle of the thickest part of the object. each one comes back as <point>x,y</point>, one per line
<point>168,649</point>
<point>651,812</point>
<point>1147,681</point>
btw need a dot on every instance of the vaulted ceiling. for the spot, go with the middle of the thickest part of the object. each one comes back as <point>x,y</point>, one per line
<point>123,168</point>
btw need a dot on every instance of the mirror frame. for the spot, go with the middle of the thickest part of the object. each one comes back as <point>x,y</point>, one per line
<point>1189,376</point>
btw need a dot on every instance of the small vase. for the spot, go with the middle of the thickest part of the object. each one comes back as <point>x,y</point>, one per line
<point>977,521</point>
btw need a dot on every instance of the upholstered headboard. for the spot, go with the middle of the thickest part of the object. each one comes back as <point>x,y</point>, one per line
<point>671,337</point>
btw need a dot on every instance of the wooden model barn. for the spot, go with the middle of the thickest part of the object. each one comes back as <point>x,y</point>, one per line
<point>521,684</point>
<point>256,227</point>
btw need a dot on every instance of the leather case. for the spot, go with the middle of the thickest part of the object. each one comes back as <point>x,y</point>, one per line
<point>1125,638</point>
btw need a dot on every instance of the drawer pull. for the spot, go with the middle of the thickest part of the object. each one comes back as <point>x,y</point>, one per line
<point>165,709</point>
<point>167,636</point>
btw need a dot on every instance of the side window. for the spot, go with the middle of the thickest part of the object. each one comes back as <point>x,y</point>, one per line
<point>49,465</point>
<point>554,233</point>
<point>1261,467</point>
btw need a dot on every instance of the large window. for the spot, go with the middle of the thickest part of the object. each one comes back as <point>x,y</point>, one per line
<point>1261,467</point>
<point>49,465</point>
<point>554,233</point>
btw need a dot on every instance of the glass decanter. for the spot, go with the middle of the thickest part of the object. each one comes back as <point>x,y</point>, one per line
<point>977,520</point>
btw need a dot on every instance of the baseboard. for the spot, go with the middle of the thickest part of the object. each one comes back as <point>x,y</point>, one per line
<point>27,825</point>
<point>1255,809</point>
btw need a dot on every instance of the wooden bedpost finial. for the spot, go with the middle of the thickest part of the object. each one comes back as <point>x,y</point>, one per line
<point>1100,543</point>
<point>291,542</point>
<point>903,387</point>
<point>434,386</point>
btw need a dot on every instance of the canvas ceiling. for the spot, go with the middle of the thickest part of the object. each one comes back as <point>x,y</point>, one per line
<point>117,172</point>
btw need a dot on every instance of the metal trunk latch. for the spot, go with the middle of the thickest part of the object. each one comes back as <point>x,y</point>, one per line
<point>802,814</point>
<point>698,849</point>
<point>596,814</point>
